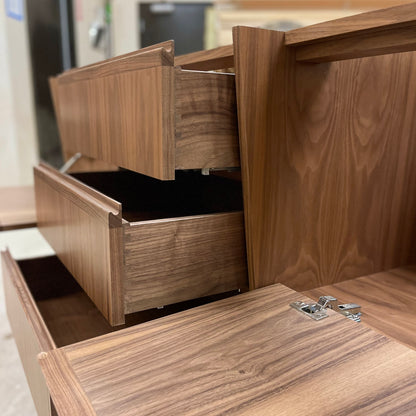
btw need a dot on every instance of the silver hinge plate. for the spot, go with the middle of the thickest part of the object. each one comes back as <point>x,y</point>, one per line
<point>317,311</point>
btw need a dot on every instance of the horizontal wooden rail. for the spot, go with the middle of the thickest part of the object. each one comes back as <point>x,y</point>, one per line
<point>379,32</point>
<point>218,58</point>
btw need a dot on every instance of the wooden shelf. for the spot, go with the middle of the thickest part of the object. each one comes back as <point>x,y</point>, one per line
<point>388,301</point>
<point>368,34</point>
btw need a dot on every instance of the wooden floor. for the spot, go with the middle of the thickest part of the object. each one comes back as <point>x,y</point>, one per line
<point>388,301</point>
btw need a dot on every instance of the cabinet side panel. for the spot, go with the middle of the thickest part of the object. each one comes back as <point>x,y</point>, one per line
<point>29,332</point>
<point>206,120</point>
<point>329,163</point>
<point>88,246</point>
<point>124,119</point>
<point>169,261</point>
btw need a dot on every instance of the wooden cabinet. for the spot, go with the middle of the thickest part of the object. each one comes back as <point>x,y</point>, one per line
<point>143,112</point>
<point>248,355</point>
<point>134,243</point>
<point>47,309</point>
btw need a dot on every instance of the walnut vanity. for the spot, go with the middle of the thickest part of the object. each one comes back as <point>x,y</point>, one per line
<point>328,161</point>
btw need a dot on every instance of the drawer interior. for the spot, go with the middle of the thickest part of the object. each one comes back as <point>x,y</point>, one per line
<point>69,314</point>
<point>387,299</point>
<point>146,198</point>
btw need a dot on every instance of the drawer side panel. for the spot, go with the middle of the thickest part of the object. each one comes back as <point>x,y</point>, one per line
<point>169,261</point>
<point>206,120</point>
<point>29,331</point>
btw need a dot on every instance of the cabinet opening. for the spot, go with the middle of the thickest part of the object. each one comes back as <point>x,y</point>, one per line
<point>145,198</point>
<point>69,314</point>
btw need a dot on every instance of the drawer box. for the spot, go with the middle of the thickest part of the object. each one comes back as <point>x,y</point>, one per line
<point>47,309</point>
<point>141,112</point>
<point>134,243</point>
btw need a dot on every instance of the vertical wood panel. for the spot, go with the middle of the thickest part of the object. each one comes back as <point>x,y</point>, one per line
<point>206,120</point>
<point>329,163</point>
<point>29,331</point>
<point>87,237</point>
<point>124,118</point>
<point>170,261</point>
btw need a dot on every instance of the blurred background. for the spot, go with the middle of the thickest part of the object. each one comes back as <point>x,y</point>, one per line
<point>40,38</point>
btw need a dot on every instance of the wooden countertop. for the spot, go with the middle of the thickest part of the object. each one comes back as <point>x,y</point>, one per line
<point>388,301</point>
<point>17,208</point>
<point>247,355</point>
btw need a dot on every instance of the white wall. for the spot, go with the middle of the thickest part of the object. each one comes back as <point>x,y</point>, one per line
<point>18,142</point>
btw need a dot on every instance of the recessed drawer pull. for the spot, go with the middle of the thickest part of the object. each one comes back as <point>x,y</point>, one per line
<point>317,311</point>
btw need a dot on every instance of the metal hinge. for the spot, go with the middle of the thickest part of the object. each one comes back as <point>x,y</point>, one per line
<point>317,311</point>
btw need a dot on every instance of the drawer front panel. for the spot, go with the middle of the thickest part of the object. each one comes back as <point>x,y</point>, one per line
<point>125,118</point>
<point>29,331</point>
<point>85,231</point>
<point>169,261</point>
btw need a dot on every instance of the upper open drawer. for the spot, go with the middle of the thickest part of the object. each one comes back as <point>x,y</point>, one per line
<point>144,112</point>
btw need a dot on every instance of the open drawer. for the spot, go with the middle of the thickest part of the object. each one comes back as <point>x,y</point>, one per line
<point>134,243</point>
<point>47,309</point>
<point>143,112</point>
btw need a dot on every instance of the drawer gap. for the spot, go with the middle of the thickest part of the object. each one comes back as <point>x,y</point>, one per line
<point>69,314</point>
<point>191,193</point>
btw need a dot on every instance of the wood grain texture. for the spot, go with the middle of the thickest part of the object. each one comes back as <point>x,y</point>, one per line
<point>169,261</point>
<point>373,33</point>
<point>17,208</point>
<point>130,110</point>
<point>393,18</point>
<point>84,228</point>
<point>247,355</point>
<point>150,57</point>
<point>206,121</point>
<point>379,43</point>
<point>388,301</point>
<point>315,4</point>
<point>213,59</point>
<point>29,330</point>
<point>328,163</point>
<point>126,119</point>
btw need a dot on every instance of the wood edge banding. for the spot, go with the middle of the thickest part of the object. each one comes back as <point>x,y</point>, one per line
<point>63,384</point>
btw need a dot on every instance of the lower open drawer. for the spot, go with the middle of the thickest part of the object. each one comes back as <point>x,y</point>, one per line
<point>134,242</point>
<point>47,309</point>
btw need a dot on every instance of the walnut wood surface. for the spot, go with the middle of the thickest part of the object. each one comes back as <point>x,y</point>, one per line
<point>373,33</point>
<point>206,121</point>
<point>169,261</point>
<point>17,208</point>
<point>84,228</point>
<point>251,354</point>
<point>158,55</point>
<point>29,331</point>
<point>388,301</point>
<point>393,18</point>
<point>125,119</point>
<point>316,4</point>
<point>180,240</point>
<point>213,59</point>
<point>328,163</point>
<point>130,110</point>
<point>379,43</point>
